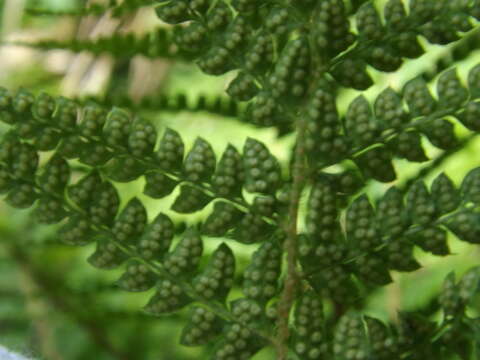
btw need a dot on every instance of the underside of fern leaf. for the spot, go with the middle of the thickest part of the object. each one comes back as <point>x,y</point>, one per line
<point>292,62</point>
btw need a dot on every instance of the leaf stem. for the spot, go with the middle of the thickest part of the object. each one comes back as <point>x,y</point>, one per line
<point>290,245</point>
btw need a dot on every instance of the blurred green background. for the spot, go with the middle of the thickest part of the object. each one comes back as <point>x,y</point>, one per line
<point>53,305</point>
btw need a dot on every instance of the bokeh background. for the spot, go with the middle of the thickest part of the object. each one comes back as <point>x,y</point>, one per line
<point>55,306</point>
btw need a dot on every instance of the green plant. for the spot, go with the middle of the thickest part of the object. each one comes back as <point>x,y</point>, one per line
<point>293,62</point>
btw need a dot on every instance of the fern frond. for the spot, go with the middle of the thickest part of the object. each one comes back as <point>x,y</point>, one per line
<point>459,51</point>
<point>124,156</point>
<point>291,60</point>
<point>436,163</point>
<point>377,136</point>
<point>220,105</point>
<point>121,150</point>
<point>445,208</point>
<point>154,44</point>
<point>116,9</point>
<point>94,9</point>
